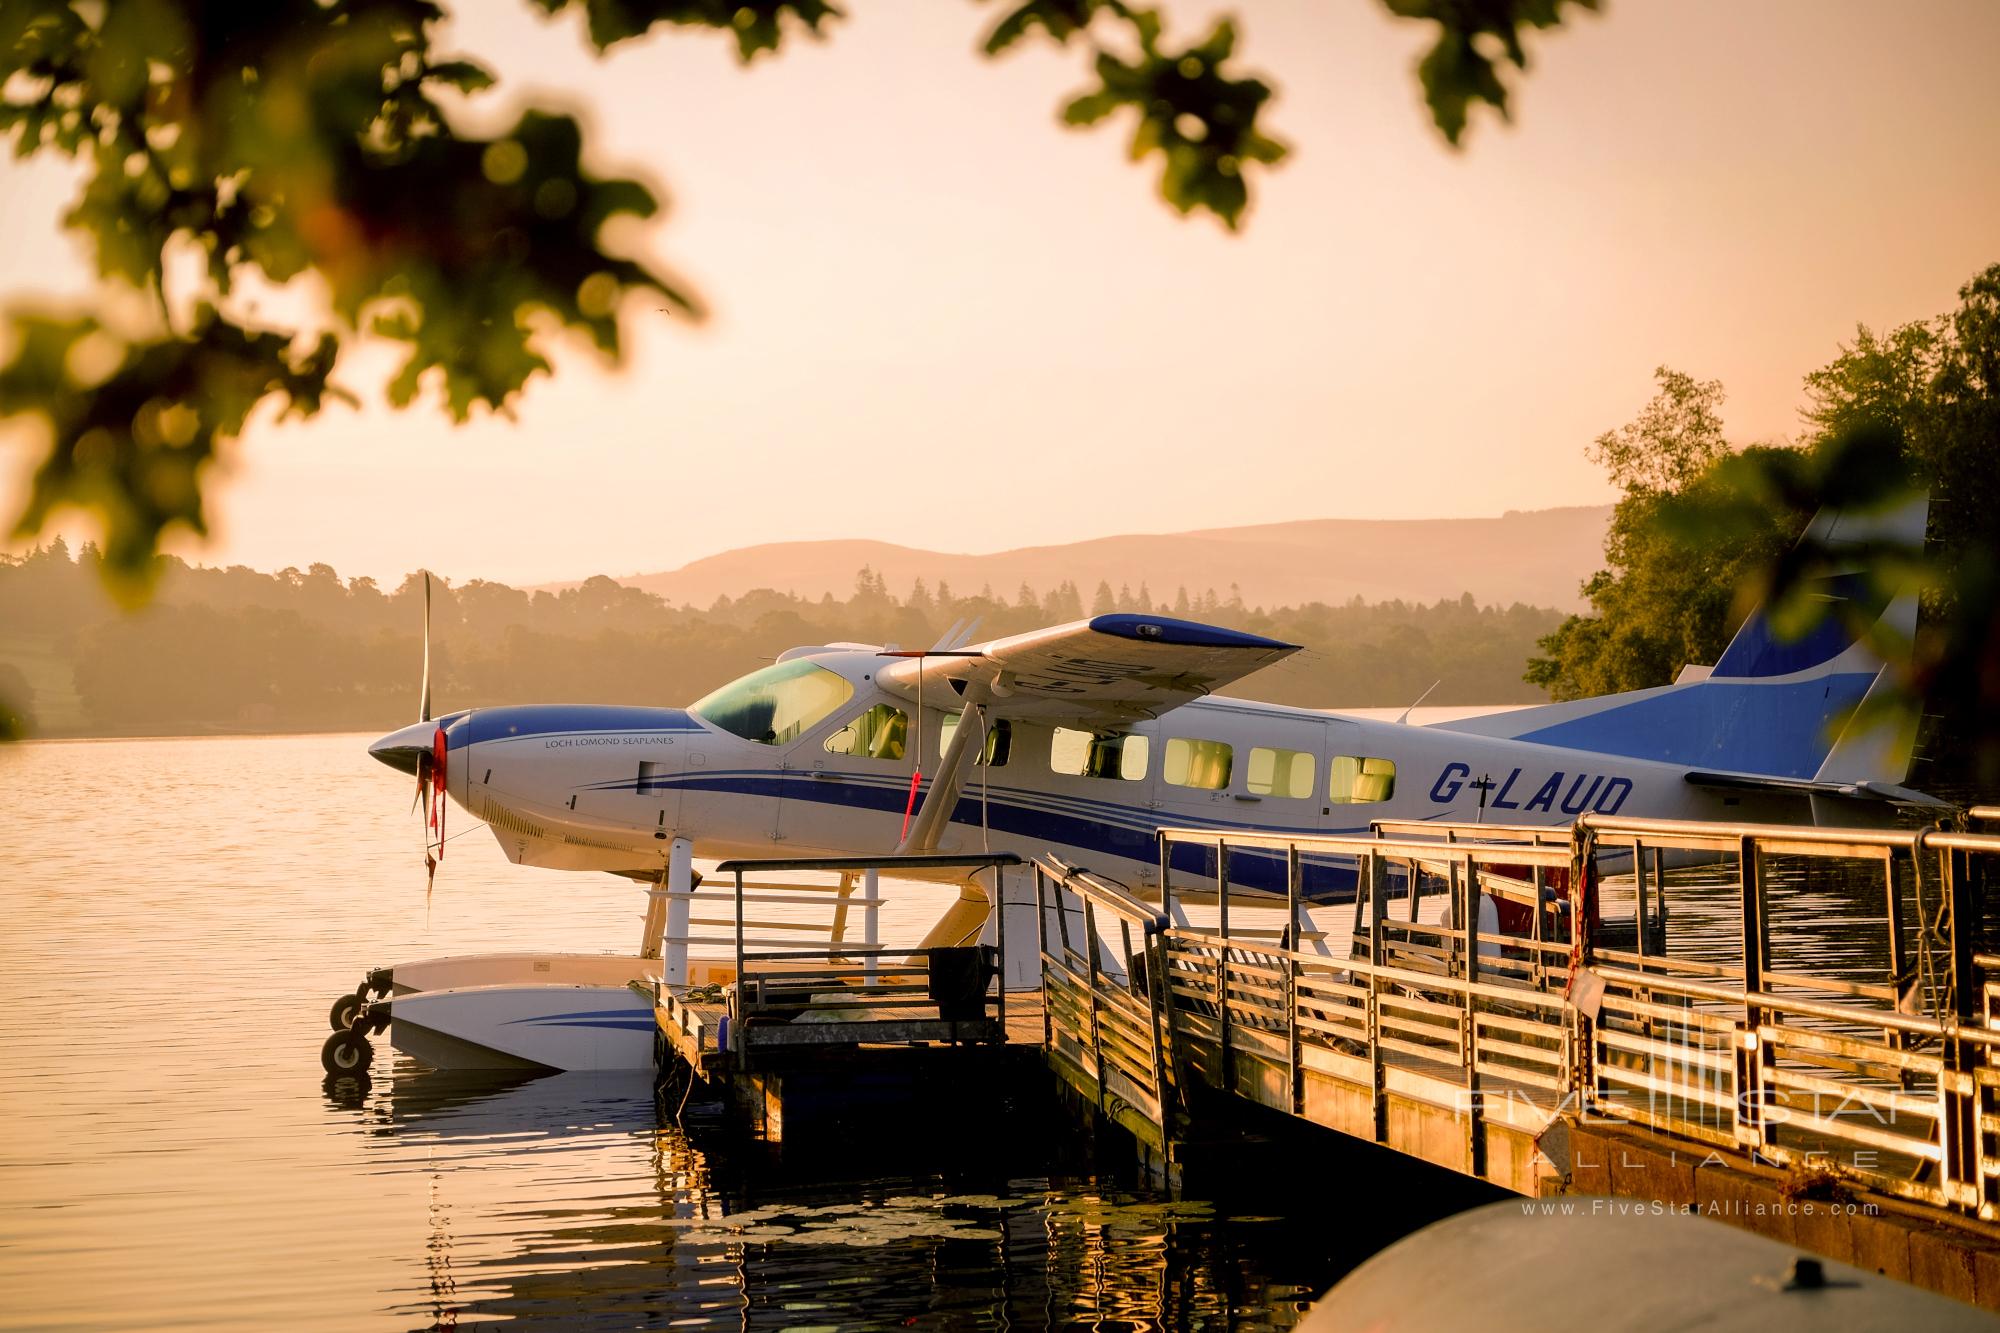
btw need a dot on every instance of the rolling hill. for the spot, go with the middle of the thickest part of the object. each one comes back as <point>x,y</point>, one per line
<point>1538,557</point>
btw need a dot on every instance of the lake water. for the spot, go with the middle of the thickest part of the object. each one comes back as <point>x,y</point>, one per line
<point>178,916</point>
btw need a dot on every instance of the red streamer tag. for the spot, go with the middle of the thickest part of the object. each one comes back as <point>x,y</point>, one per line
<point>910,806</point>
<point>437,788</point>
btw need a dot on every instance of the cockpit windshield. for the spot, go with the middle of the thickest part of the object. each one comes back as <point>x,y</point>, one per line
<point>777,705</point>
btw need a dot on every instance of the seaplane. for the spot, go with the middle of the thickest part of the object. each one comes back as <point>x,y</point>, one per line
<point>1080,742</point>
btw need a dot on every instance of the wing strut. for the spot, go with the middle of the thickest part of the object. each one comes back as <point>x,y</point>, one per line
<point>925,829</point>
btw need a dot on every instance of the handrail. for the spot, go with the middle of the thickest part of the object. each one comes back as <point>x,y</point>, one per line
<point>1114,897</point>
<point>1626,826</point>
<point>888,861</point>
<point>1354,844</point>
<point>1420,827</point>
<point>1952,841</point>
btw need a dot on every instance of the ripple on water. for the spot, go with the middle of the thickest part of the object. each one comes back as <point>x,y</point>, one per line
<point>179,913</point>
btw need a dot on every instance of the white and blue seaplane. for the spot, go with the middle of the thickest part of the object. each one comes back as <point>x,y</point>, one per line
<point>1080,742</point>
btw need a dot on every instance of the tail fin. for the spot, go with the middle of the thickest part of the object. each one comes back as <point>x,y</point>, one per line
<point>1772,704</point>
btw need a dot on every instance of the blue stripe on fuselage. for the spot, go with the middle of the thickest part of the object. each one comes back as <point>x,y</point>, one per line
<point>1129,834</point>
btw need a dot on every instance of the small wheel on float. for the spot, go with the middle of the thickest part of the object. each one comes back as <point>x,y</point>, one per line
<point>346,1008</point>
<point>346,1054</point>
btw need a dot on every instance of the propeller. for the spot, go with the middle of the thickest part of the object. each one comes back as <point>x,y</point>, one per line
<point>430,765</point>
<point>424,706</point>
<point>424,702</point>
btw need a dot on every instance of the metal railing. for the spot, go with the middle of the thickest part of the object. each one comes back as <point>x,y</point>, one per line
<point>1480,1021</point>
<point>1891,1079</point>
<point>1891,1083</point>
<point>809,912</point>
<point>842,984</point>
<point>1103,1003</point>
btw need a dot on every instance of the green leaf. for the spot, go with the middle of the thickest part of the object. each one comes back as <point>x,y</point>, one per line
<point>1089,108</point>
<point>133,427</point>
<point>463,75</point>
<point>1059,20</point>
<point>1455,72</point>
<point>1201,120</point>
<point>758,25</point>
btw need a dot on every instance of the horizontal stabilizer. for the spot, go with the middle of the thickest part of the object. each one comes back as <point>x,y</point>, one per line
<point>1860,791</point>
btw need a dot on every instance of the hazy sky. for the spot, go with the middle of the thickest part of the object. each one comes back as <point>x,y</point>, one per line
<point>944,320</point>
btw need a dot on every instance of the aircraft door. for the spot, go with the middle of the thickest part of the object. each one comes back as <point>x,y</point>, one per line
<point>852,783</point>
<point>658,787</point>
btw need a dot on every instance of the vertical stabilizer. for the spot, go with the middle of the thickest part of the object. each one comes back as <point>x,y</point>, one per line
<point>1772,705</point>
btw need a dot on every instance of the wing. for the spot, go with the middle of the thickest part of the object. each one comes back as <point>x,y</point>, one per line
<point>1101,672</point>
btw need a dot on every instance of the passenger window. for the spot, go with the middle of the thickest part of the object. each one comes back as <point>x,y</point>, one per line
<point>1203,764</point>
<point>999,739</point>
<point>1287,773</point>
<point>1091,755</point>
<point>878,733</point>
<point>1358,781</point>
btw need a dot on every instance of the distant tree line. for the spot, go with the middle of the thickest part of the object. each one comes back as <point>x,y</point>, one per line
<point>234,649</point>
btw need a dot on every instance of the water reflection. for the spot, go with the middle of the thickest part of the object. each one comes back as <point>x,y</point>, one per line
<point>576,1199</point>
<point>171,1155</point>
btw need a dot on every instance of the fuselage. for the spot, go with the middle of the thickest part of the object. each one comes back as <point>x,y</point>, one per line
<point>828,769</point>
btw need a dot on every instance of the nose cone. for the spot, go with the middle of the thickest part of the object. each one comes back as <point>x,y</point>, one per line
<point>401,750</point>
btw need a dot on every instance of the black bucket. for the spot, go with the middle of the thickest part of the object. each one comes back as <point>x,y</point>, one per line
<point>958,981</point>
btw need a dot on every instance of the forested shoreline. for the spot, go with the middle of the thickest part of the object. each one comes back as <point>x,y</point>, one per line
<point>236,650</point>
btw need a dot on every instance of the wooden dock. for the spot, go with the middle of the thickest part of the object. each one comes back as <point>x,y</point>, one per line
<point>817,1041</point>
<point>1859,1119</point>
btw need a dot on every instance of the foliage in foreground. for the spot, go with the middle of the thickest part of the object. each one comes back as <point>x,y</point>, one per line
<point>309,145</point>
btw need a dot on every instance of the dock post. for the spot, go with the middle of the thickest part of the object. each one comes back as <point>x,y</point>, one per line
<point>1581,1075</point>
<point>1639,894</point>
<point>680,889</point>
<point>654,927</point>
<point>1374,881</point>
<point>1753,1128</point>
<point>1475,1138</point>
<point>741,980</point>
<point>871,923</point>
<point>1539,972</point>
<point>1959,1130</point>
<point>1090,973</point>
<point>1660,893</point>
<point>1293,1092</point>
<point>1897,961</point>
<point>1042,953</point>
<point>1155,945</point>
<point>1000,948</point>
<point>1222,964</point>
<point>1162,991</point>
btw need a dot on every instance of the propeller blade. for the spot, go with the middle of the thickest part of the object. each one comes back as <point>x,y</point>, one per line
<point>437,801</point>
<point>424,709</point>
